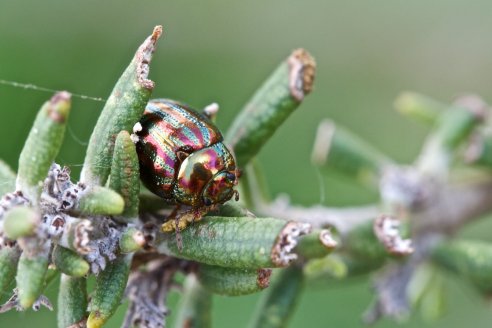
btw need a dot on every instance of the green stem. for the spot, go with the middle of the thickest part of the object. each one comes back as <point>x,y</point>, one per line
<point>278,302</point>
<point>361,243</point>
<point>316,244</point>
<point>150,203</point>
<point>195,306</point>
<point>479,150</point>
<point>254,189</point>
<point>452,128</point>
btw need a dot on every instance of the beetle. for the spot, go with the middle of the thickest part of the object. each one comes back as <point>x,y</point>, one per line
<point>183,158</point>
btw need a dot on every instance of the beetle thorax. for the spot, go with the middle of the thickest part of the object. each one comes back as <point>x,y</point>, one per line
<point>206,177</point>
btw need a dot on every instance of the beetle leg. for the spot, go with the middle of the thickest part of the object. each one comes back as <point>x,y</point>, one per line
<point>175,215</point>
<point>173,223</point>
<point>179,238</point>
<point>182,155</point>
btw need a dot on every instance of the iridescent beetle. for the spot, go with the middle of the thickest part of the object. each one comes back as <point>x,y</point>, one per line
<point>183,158</point>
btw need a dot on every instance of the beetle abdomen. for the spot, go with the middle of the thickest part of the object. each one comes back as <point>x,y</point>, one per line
<point>181,126</point>
<point>167,129</point>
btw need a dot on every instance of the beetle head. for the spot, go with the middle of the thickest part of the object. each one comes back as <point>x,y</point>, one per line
<point>207,177</point>
<point>220,189</point>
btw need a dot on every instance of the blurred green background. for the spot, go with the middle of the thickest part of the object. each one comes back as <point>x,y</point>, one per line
<point>220,51</point>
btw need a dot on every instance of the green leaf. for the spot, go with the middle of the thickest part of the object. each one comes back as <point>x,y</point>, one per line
<point>471,260</point>
<point>340,151</point>
<point>316,244</point>
<point>42,145</point>
<point>20,222</point>
<point>238,242</point>
<point>72,301</point>
<point>123,109</point>
<point>125,175</point>
<point>110,287</point>
<point>232,281</point>
<point>69,262</point>
<point>9,258</point>
<point>7,179</point>
<point>131,240</point>
<point>99,201</point>
<point>271,105</point>
<point>30,278</point>
<point>419,107</point>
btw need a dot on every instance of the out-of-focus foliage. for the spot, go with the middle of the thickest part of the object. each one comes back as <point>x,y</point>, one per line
<point>218,51</point>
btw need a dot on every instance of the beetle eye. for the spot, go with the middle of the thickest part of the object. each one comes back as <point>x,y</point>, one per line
<point>230,176</point>
<point>207,201</point>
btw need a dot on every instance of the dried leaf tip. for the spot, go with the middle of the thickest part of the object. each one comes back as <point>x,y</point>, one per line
<point>302,67</point>
<point>322,142</point>
<point>327,240</point>
<point>59,106</point>
<point>386,230</point>
<point>76,236</point>
<point>287,240</point>
<point>144,56</point>
<point>475,105</point>
<point>263,279</point>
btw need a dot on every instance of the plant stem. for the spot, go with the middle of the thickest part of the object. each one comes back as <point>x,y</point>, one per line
<point>278,302</point>
<point>195,307</point>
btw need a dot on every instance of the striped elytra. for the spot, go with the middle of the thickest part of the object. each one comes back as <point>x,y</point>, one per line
<point>182,155</point>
